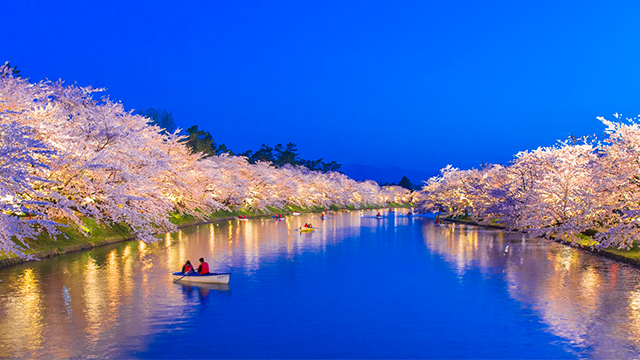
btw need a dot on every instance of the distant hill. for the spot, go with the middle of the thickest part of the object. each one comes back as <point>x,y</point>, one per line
<point>385,174</point>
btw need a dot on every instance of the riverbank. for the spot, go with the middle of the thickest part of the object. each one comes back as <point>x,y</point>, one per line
<point>72,239</point>
<point>631,257</point>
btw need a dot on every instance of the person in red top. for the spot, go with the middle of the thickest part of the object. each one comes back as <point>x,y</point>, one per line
<point>203,268</point>
<point>187,268</point>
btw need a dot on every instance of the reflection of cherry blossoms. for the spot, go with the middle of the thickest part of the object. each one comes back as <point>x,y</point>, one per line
<point>68,155</point>
<point>567,191</point>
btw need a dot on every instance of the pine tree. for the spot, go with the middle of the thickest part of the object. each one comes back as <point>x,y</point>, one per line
<point>405,183</point>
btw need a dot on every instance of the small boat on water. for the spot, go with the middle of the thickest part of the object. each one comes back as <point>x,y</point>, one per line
<point>306,229</point>
<point>296,213</point>
<point>212,278</point>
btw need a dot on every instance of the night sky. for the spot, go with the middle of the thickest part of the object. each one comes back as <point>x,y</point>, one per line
<point>413,84</point>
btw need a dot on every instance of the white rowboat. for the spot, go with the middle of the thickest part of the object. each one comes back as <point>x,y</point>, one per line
<point>212,278</point>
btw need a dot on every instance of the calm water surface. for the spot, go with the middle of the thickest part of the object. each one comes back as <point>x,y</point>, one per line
<point>358,287</point>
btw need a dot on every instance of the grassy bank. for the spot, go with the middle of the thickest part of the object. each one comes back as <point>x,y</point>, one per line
<point>71,238</point>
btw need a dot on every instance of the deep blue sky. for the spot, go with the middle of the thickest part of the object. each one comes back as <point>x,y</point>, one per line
<point>414,84</point>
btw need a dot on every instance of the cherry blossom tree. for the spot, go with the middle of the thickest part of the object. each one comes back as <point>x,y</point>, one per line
<point>619,180</point>
<point>24,210</point>
<point>70,154</point>
<point>452,193</point>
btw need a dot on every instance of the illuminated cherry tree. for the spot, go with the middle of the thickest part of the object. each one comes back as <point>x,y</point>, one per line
<point>565,191</point>
<point>24,209</point>
<point>619,183</point>
<point>68,154</point>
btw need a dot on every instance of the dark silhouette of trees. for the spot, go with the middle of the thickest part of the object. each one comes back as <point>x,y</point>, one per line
<point>315,165</point>
<point>265,153</point>
<point>286,155</point>
<point>319,165</point>
<point>281,155</point>
<point>202,141</point>
<point>160,117</point>
<point>11,70</point>
<point>405,183</point>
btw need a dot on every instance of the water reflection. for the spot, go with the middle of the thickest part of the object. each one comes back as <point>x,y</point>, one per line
<point>102,302</point>
<point>592,302</point>
<point>25,309</point>
<point>202,292</point>
<point>83,303</point>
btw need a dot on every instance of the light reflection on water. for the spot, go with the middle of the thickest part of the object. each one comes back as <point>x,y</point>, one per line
<point>114,301</point>
<point>580,297</point>
<point>91,300</point>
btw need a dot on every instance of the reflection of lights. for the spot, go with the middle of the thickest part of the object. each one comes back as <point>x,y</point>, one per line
<point>29,307</point>
<point>167,240</point>
<point>590,279</point>
<point>143,249</point>
<point>127,285</point>
<point>112,258</point>
<point>93,300</point>
<point>251,246</point>
<point>563,259</point>
<point>113,283</point>
<point>590,285</point>
<point>211,237</point>
<point>559,299</point>
<point>634,314</point>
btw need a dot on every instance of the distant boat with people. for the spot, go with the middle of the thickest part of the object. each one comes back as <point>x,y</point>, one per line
<point>306,228</point>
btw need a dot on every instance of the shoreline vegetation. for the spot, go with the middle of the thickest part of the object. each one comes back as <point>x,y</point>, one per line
<point>44,246</point>
<point>582,191</point>
<point>631,256</point>
<point>72,240</point>
<point>75,164</point>
<point>79,171</point>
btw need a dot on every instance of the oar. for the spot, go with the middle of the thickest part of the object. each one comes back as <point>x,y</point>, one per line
<point>180,278</point>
